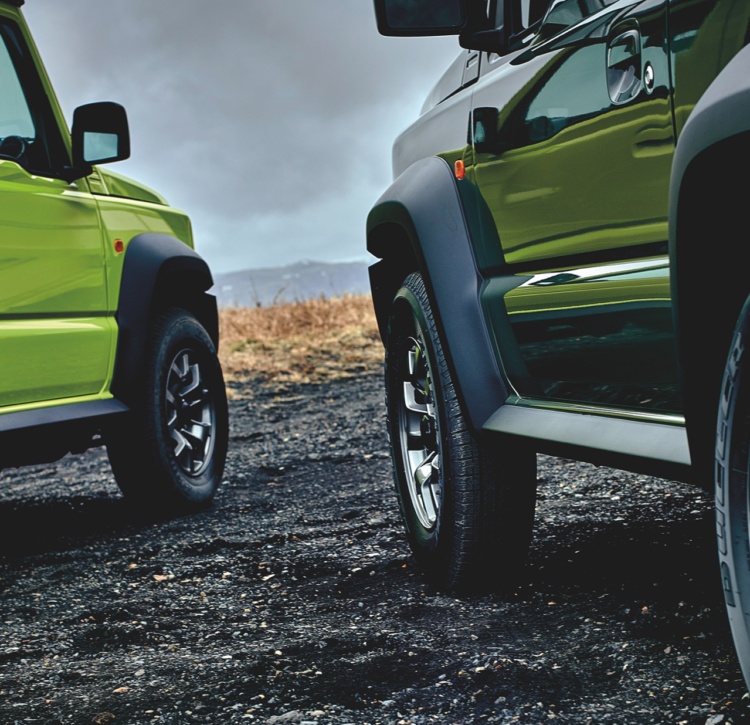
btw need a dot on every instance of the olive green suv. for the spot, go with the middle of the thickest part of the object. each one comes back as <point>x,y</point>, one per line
<point>562,269</point>
<point>107,333</point>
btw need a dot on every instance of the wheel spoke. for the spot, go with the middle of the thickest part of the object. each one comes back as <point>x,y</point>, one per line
<point>424,476</point>
<point>410,399</point>
<point>180,365</point>
<point>197,432</point>
<point>193,383</point>
<point>181,442</point>
<point>431,501</point>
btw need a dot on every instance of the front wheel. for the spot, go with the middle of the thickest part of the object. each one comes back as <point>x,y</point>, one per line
<point>467,504</point>
<point>733,488</point>
<point>170,450</point>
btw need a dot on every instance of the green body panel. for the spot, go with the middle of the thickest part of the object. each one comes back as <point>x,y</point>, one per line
<point>51,258</point>
<point>52,276</point>
<point>124,219</point>
<point>60,271</point>
<point>118,185</point>
<point>568,171</point>
<point>572,211</point>
<point>43,360</point>
<point>578,173</point>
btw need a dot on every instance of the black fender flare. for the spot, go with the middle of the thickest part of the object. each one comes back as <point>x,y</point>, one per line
<point>723,111</point>
<point>158,269</point>
<point>422,223</point>
<point>703,201</point>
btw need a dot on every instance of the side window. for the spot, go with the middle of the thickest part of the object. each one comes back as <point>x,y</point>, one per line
<point>28,133</point>
<point>15,116</point>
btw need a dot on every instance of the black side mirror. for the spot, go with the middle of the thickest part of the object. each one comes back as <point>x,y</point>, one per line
<point>100,134</point>
<point>429,17</point>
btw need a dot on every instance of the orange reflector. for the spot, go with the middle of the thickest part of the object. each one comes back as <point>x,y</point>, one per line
<point>119,245</point>
<point>459,169</point>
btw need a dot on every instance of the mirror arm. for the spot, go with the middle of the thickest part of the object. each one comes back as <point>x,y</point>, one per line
<point>73,173</point>
<point>490,41</point>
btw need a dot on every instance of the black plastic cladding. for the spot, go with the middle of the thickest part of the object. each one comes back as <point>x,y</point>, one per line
<point>156,265</point>
<point>442,246</point>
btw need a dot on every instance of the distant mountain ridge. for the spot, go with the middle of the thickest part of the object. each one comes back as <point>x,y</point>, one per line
<point>302,280</point>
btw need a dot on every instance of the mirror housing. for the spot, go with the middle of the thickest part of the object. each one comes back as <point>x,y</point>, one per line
<point>100,135</point>
<point>410,18</point>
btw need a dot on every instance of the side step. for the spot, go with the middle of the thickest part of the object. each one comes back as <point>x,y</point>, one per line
<point>649,447</point>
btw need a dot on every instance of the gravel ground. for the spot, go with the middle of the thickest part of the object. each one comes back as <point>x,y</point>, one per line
<point>295,599</point>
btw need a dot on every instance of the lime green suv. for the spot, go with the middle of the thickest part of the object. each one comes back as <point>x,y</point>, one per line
<point>107,332</point>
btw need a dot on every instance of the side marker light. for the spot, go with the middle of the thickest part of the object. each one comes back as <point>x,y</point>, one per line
<point>459,169</point>
<point>119,245</point>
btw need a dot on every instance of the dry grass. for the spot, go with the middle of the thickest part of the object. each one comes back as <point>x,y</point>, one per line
<point>300,342</point>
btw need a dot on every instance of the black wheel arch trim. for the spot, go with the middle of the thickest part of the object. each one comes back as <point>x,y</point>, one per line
<point>158,270</point>
<point>722,112</point>
<point>407,234</point>
<point>712,146</point>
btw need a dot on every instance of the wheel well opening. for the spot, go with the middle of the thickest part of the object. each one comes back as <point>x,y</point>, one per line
<point>711,284</point>
<point>392,243</point>
<point>187,290</point>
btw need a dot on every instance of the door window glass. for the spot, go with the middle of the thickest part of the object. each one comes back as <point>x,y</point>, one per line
<point>15,117</point>
<point>28,132</point>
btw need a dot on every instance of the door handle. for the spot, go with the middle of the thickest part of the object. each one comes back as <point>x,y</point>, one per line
<point>624,67</point>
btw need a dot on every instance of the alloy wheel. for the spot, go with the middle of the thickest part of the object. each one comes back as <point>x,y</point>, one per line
<point>191,413</point>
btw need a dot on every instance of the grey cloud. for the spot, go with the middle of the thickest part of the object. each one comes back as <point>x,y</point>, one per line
<point>254,115</point>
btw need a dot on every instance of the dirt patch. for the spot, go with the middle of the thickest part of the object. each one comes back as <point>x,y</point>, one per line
<point>295,600</point>
<point>309,341</point>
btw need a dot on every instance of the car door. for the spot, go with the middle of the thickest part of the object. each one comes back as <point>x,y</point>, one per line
<point>573,146</point>
<point>55,334</point>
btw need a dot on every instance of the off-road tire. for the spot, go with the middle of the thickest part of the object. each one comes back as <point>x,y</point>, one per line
<point>733,488</point>
<point>467,503</point>
<point>169,452</point>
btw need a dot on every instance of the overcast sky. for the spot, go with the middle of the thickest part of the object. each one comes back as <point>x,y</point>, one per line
<point>271,123</point>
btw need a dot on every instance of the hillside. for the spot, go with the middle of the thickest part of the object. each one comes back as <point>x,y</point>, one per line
<point>294,282</point>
